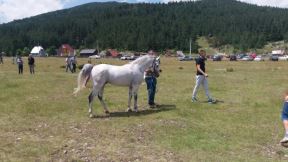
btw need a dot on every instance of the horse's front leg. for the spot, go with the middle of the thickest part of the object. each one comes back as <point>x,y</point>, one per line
<point>135,94</point>
<point>129,99</point>
<point>135,102</point>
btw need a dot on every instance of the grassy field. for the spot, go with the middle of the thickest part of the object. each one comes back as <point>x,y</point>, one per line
<point>40,120</point>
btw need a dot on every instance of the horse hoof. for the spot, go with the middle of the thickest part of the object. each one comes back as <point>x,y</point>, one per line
<point>92,116</point>
<point>136,110</point>
<point>129,110</point>
<point>107,112</point>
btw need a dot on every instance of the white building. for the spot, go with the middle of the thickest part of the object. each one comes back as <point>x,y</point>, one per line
<point>278,52</point>
<point>38,51</point>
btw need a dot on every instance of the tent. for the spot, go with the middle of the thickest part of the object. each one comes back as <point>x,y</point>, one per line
<point>38,51</point>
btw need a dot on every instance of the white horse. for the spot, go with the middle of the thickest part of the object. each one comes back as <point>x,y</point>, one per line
<point>130,75</point>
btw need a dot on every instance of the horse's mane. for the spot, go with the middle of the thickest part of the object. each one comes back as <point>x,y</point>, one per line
<point>141,60</point>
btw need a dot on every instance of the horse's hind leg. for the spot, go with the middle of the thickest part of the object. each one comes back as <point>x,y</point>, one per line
<point>90,98</point>
<point>100,97</point>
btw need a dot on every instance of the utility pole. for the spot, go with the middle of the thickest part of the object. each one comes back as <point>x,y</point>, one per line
<point>190,46</point>
<point>97,46</point>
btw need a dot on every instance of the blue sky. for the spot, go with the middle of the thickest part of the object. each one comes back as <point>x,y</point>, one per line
<point>18,9</point>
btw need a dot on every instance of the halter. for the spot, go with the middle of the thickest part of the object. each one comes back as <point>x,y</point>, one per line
<point>156,62</point>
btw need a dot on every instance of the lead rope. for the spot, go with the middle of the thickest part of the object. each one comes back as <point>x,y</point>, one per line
<point>154,69</point>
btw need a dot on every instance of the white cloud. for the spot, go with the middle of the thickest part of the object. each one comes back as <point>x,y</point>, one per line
<point>273,3</point>
<point>18,9</point>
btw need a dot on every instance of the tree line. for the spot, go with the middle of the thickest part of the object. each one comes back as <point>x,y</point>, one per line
<point>145,26</point>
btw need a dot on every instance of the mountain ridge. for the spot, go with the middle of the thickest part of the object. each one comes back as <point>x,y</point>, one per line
<point>145,26</point>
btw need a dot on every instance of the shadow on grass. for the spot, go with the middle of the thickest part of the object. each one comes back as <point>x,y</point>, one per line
<point>216,101</point>
<point>146,111</point>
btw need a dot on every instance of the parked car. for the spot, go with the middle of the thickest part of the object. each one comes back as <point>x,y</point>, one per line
<point>233,58</point>
<point>126,57</point>
<point>240,56</point>
<point>217,58</point>
<point>259,58</point>
<point>283,58</point>
<point>274,58</point>
<point>132,57</point>
<point>247,58</point>
<point>95,57</point>
<point>185,58</point>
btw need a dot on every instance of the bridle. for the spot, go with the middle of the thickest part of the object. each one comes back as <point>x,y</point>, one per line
<point>155,66</point>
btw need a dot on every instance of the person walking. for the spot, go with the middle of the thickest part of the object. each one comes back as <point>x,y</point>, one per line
<point>31,63</point>
<point>201,77</point>
<point>150,76</point>
<point>74,63</point>
<point>284,117</point>
<point>20,65</point>
<point>1,58</point>
<point>67,60</point>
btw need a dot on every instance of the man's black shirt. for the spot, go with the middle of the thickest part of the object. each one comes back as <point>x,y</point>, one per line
<point>200,61</point>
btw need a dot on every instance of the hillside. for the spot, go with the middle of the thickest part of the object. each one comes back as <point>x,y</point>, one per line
<point>149,26</point>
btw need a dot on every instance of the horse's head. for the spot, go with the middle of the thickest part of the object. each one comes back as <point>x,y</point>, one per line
<point>156,66</point>
<point>146,62</point>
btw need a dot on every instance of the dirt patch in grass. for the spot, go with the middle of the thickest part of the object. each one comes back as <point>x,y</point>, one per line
<point>89,143</point>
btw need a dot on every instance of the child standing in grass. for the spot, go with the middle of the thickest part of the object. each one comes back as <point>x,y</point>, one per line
<point>20,65</point>
<point>284,117</point>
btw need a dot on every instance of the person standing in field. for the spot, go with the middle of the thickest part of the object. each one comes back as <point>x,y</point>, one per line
<point>284,117</point>
<point>73,63</point>
<point>201,77</point>
<point>20,65</point>
<point>150,76</point>
<point>67,60</point>
<point>1,58</point>
<point>14,59</point>
<point>31,63</point>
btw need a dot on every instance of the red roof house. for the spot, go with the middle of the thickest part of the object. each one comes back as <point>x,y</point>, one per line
<point>113,53</point>
<point>66,50</point>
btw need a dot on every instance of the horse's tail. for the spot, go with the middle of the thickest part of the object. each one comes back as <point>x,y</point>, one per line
<point>83,77</point>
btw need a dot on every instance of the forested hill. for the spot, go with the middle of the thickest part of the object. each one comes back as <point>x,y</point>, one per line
<point>149,26</point>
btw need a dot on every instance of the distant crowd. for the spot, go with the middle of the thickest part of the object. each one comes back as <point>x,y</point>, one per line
<point>71,63</point>
<point>19,61</point>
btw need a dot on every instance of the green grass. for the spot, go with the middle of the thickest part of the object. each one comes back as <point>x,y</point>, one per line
<point>40,120</point>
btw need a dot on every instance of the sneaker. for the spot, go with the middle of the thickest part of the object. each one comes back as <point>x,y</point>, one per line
<point>284,140</point>
<point>211,101</point>
<point>154,105</point>
<point>194,99</point>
